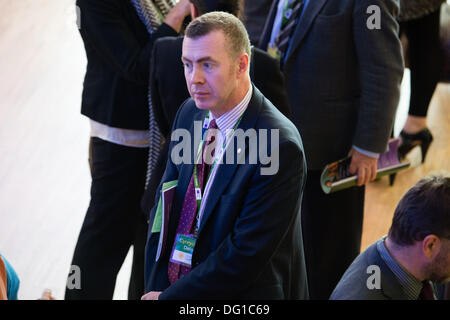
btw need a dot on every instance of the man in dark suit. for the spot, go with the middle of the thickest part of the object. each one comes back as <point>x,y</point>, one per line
<point>169,87</point>
<point>343,67</point>
<point>414,257</point>
<point>244,222</point>
<point>118,37</point>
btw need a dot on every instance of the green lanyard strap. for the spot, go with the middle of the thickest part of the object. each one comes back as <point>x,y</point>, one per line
<point>199,154</point>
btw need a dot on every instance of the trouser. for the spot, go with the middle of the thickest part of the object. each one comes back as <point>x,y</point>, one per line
<point>113,222</point>
<point>426,60</point>
<point>332,229</point>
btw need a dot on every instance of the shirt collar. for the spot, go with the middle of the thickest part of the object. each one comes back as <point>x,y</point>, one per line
<point>410,284</point>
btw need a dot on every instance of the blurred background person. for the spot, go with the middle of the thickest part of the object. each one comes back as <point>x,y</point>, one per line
<point>420,24</point>
<point>343,83</point>
<point>118,36</point>
<point>9,281</point>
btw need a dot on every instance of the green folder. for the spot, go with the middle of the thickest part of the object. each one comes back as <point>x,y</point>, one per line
<point>161,220</point>
<point>157,222</point>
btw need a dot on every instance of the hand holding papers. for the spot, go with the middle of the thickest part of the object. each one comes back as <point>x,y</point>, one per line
<point>335,176</point>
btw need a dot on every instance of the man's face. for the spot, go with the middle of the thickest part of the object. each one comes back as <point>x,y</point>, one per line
<point>211,73</point>
<point>439,268</point>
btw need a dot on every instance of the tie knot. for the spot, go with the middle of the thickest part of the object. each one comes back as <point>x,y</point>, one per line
<point>427,291</point>
<point>213,124</point>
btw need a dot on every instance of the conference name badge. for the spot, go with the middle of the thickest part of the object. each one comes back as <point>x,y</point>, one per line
<point>183,249</point>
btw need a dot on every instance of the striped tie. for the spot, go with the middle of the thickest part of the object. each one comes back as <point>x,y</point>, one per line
<point>288,25</point>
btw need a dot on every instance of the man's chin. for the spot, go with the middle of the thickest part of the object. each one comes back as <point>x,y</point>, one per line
<point>202,105</point>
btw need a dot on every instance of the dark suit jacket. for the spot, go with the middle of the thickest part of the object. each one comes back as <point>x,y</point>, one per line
<point>118,49</point>
<point>250,241</point>
<point>352,285</point>
<point>343,80</point>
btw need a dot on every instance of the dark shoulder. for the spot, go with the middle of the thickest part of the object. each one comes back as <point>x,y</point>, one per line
<point>169,44</point>
<point>264,66</point>
<point>353,284</point>
<point>261,56</point>
<point>271,118</point>
<point>167,50</point>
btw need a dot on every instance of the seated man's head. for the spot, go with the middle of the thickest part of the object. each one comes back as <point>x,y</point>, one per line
<point>421,225</point>
<point>216,57</point>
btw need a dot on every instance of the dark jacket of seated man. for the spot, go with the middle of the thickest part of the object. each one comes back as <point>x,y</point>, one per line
<point>249,244</point>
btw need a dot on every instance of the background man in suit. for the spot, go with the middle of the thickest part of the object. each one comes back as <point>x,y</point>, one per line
<point>169,89</point>
<point>118,37</point>
<point>415,253</point>
<point>343,83</point>
<point>246,225</point>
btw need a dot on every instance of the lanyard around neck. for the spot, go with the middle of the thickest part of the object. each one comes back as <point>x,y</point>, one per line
<point>198,190</point>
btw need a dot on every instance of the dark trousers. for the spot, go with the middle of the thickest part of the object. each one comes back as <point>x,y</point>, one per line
<point>113,222</point>
<point>332,229</point>
<point>426,60</point>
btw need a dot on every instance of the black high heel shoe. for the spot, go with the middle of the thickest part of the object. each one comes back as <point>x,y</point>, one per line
<point>409,141</point>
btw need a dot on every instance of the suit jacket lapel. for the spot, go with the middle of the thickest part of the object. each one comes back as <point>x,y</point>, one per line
<point>225,172</point>
<point>308,16</point>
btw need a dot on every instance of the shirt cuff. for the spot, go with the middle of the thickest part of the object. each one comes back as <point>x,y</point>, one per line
<point>366,153</point>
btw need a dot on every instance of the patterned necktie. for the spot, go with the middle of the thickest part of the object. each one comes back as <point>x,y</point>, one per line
<point>289,22</point>
<point>427,292</point>
<point>189,209</point>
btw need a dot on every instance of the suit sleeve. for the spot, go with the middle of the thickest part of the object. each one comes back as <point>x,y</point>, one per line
<point>105,29</point>
<point>381,70</point>
<point>270,207</point>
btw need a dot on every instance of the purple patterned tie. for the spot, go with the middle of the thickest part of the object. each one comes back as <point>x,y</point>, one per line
<point>189,209</point>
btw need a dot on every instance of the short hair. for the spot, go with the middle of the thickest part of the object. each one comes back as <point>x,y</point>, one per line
<point>231,6</point>
<point>423,210</point>
<point>231,26</point>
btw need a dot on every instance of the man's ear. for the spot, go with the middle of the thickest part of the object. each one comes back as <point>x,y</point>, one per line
<point>431,245</point>
<point>194,12</point>
<point>243,63</point>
